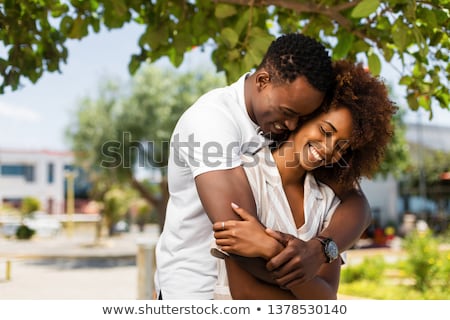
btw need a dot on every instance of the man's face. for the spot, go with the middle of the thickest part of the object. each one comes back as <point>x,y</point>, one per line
<point>277,108</point>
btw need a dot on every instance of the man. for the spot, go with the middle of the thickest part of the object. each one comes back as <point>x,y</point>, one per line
<point>205,176</point>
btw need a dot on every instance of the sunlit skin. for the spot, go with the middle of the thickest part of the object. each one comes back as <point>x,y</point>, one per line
<point>278,107</point>
<point>320,141</point>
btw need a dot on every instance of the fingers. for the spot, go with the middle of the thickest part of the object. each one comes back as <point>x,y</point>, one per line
<point>244,214</point>
<point>222,225</point>
<point>219,226</point>
<point>288,254</point>
<point>281,237</point>
<point>291,280</point>
<point>288,272</point>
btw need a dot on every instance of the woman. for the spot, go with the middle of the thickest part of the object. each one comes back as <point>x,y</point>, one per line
<point>342,144</point>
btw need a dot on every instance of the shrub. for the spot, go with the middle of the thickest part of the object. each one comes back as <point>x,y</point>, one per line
<point>370,269</point>
<point>29,205</point>
<point>23,232</point>
<point>422,258</point>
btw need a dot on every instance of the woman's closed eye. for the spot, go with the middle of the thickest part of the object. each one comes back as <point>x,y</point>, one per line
<point>326,132</point>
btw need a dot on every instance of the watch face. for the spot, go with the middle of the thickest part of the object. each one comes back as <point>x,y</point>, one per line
<point>331,250</point>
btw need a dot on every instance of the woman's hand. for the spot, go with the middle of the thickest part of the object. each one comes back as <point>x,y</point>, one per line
<point>246,237</point>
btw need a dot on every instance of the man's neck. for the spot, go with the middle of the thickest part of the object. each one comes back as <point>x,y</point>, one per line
<point>249,83</point>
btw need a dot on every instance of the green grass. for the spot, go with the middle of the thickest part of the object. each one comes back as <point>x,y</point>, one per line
<point>423,275</point>
<point>382,291</point>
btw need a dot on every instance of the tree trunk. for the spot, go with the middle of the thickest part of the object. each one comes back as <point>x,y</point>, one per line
<point>159,203</point>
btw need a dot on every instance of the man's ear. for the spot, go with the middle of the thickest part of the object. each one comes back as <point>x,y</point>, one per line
<point>262,79</point>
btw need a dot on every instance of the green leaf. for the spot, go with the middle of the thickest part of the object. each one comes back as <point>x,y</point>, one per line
<point>424,102</point>
<point>374,63</point>
<point>224,11</point>
<point>242,23</point>
<point>259,41</point>
<point>233,55</point>
<point>79,29</point>
<point>134,64</point>
<point>343,46</point>
<point>405,81</point>
<point>421,43</point>
<point>400,35</point>
<point>429,17</point>
<point>229,37</point>
<point>365,8</point>
<point>412,102</point>
<point>251,59</point>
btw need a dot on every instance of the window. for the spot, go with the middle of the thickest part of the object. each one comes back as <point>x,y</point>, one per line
<point>26,171</point>
<point>50,172</point>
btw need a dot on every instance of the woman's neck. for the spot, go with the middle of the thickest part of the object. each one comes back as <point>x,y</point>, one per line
<point>291,171</point>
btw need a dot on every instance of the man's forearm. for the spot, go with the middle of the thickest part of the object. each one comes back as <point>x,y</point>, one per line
<point>244,285</point>
<point>255,266</point>
<point>349,221</point>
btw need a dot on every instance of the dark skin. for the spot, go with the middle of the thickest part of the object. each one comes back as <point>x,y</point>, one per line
<point>299,260</point>
<point>294,261</point>
<point>248,237</point>
<point>323,284</point>
<point>243,285</point>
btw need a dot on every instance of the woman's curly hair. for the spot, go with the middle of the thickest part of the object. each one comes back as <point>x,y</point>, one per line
<point>367,98</point>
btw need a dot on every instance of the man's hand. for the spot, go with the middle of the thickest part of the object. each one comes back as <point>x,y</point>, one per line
<point>298,262</point>
<point>245,238</point>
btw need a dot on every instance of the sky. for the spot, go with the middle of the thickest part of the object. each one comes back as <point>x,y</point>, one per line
<point>36,116</point>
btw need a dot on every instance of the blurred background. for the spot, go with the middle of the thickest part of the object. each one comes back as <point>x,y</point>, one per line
<point>82,173</point>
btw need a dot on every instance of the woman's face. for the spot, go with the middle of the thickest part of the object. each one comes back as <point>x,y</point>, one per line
<point>323,140</point>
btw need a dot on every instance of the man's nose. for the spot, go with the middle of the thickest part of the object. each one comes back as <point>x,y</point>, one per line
<point>291,123</point>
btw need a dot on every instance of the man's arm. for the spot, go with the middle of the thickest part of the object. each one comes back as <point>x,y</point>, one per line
<point>248,238</point>
<point>351,219</point>
<point>217,190</point>
<point>244,286</point>
<point>300,261</point>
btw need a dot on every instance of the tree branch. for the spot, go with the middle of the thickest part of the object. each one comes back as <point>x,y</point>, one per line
<point>331,12</point>
<point>145,193</point>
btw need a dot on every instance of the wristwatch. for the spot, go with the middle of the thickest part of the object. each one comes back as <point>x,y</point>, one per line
<point>329,248</point>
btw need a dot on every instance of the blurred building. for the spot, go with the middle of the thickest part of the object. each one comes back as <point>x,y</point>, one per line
<point>384,195</point>
<point>38,174</point>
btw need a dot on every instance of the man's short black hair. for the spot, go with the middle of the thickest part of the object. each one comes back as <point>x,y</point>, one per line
<point>293,55</point>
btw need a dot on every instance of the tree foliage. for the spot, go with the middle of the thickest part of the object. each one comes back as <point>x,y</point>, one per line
<point>397,158</point>
<point>416,33</point>
<point>123,131</point>
<point>126,131</point>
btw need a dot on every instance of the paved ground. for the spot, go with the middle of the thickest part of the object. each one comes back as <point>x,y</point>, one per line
<point>76,268</point>
<point>71,268</point>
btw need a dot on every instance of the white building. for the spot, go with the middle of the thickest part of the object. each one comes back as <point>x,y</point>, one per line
<point>38,174</point>
<point>383,194</point>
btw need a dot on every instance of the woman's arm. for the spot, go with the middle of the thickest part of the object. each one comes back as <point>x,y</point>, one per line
<point>300,260</point>
<point>248,237</point>
<point>244,286</point>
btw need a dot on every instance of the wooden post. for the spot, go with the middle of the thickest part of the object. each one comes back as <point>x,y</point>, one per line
<point>146,266</point>
<point>70,176</point>
<point>8,270</point>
